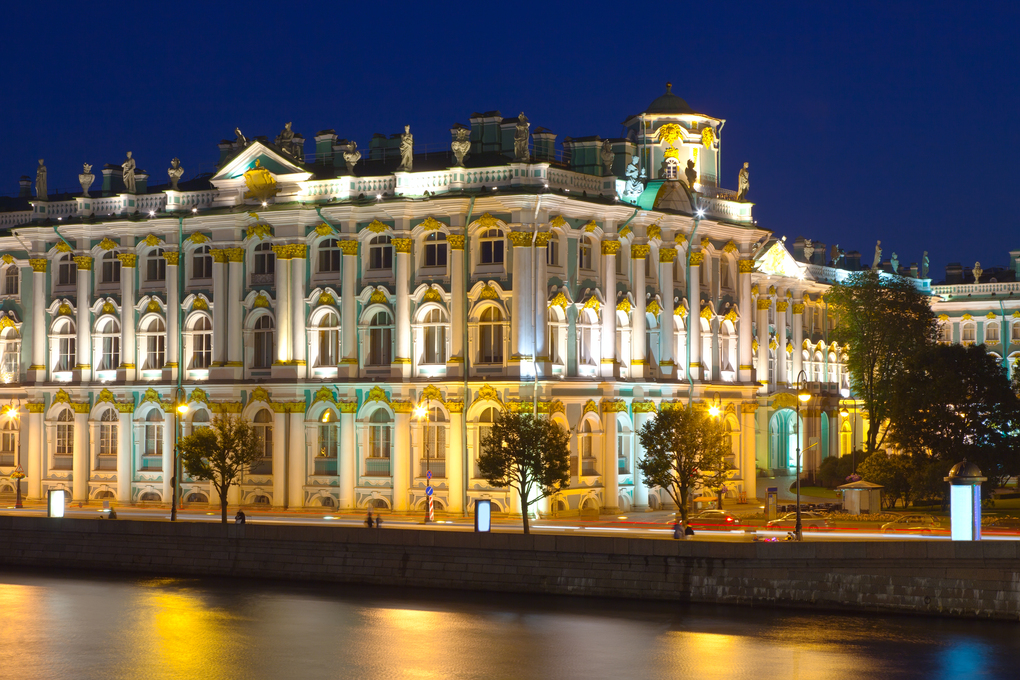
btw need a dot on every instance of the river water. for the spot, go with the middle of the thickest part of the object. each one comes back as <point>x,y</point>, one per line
<point>60,625</point>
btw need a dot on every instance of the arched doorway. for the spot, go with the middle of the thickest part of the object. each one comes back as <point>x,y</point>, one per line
<point>783,439</point>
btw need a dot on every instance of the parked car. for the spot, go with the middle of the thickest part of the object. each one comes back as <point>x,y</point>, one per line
<point>914,524</point>
<point>809,521</point>
<point>714,520</point>
<point>1002,523</point>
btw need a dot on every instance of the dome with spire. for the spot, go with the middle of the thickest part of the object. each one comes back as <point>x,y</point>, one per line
<point>669,103</point>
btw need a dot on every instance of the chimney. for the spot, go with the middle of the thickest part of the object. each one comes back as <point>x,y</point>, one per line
<point>24,187</point>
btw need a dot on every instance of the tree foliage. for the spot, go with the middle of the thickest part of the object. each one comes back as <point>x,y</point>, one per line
<point>834,471</point>
<point>220,453</point>
<point>892,472</point>
<point>883,320</point>
<point>684,449</point>
<point>954,402</point>
<point>526,453</point>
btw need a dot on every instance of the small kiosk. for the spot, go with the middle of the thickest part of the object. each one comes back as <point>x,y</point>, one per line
<point>965,501</point>
<point>861,498</point>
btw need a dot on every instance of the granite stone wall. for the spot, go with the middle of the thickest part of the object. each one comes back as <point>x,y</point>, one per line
<point>977,579</point>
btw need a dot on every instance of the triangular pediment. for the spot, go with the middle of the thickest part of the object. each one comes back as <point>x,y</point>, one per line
<point>775,260</point>
<point>271,159</point>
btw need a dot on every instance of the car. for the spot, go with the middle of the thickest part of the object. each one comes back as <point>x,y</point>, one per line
<point>1003,523</point>
<point>717,520</point>
<point>809,521</point>
<point>914,524</point>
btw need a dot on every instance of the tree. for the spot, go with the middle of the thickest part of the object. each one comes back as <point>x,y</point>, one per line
<point>528,454</point>
<point>220,453</point>
<point>883,320</point>
<point>892,472</point>
<point>684,449</point>
<point>954,402</point>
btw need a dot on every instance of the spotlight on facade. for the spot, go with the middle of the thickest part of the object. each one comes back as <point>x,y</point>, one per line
<point>152,213</point>
<point>264,204</point>
<point>182,408</point>
<point>700,212</point>
<point>713,411</point>
<point>194,210</point>
<point>378,197</point>
<point>421,411</point>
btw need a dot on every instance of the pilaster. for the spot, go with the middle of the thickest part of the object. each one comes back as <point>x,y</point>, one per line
<point>281,455</point>
<point>609,255</point>
<point>522,320</point>
<point>643,411</point>
<point>456,363</point>
<point>80,460</point>
<point>639,369</point>
<point>744,351</point>
<point>402,360</point>
<point>798,336</point>
<point>610,462</point>
<point>169,427</point>
<point>128,346</point>
<point>35,450</point>
<point>299,343</point>
<point>297,458</point>
<point>455,459</point>
<point>83,370</point>
<point>765,377</point>
<point>235,302</point>
<point>694,318</point>
<point>542,349</point>
<point>346,467</point>
<point>219,308</point>
<point>37,369</point>
<point>125,469</point>
<point>667,326</point>
<point>781,371</point>
<point>175,341</point>
<point>402,457</point>
<point>284,334</point>
<point>349,309</point>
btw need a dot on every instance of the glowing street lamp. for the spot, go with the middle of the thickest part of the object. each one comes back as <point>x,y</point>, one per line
<point>175,484</point>
<point>803,397</point>
<point>421,412</point>
<point>13,412</point>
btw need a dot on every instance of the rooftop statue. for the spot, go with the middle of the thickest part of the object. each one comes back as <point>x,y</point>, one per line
<point>521,139</point>
<point>809,250</point>
<point>406,150</point>
<point>460,146</point>
<point>285,140</point>
<point>175,173</point>
<point>878,256</point>
<point>352,156</point>
<point>836,255</point>
<point>240,140</point>
<point>607,156</point>
<point>692,174</point>
<point>977,271</point>
<point>85,179</point>
<point>743,184</point>
<point>128,167</point>
<point>635,181</point>
<point>40,182</point>
<point>895,262</point>
<point>924,265</point>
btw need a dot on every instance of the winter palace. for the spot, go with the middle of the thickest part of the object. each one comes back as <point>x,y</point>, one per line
<point>370,314</point>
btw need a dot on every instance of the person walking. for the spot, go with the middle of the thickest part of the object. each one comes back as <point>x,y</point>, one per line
<point>239,518</point>
<point>369,522</point>
<point>678,530</point>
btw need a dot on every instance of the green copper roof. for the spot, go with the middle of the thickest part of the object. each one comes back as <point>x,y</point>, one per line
<point>669,103</point>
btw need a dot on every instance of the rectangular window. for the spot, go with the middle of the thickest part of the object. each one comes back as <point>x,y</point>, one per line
<point>155,351</point>
<point>107,440</point>
<point>155,268</point>
<point>111,271</point>
<point>67,273</point>
<point>492,252</point>
<point>552,253</point>
<point>66,354</point>
<point>111,353</point>
<point>153,439</point>
<point>435,255</point>
<point>329,259</point>
<point>203,350</point>
<point>329,348</point>
<point>263,349</point>
<point>992,333</point>
<point>435,345</point>
<point>65,439</point>
<point>201,266</point>
<point>11,281</point>
<point>379,347</point>
<point>381,257</point>
<point>492,344</point>
<point>379,441</point>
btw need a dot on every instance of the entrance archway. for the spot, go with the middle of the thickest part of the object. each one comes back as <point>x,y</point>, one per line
<point>783,439</point>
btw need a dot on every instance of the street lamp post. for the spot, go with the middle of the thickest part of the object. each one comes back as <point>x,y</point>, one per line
<point>421,412</point>
<point>13,412</point>
<point>180,410</point>
<point>714,411</point>
<point>845,413</point>
<point>803,396</point>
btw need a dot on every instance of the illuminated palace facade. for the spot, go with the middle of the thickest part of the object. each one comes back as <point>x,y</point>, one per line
<point>325,300</point>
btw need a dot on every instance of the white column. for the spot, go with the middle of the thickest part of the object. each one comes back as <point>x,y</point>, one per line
<point>401,461</point>
<point>297,308</point>
<point>84,317</point>
<point>347,465</point>
<point>745,267</point>
<point>457,292</point>
<point>455,461</point>
<point>281,456</point>
<point>235,300</point>
<point>125,468</point>
<point>541,279</point>
<point>694,319</point>
<point>638,357</point>
<point>219,306</point>
<point>667,327</point>
<point>174,351</point>
<point>80,461</point>
<point>169,425</point>
<point>640,488</point>
<point>798,337</point>
<point>37,370</point>
<point>522,320</point>
<point>128,347</point>
<point>349,303</point>
<point>297,461</point>
<point>609,255</point>
<point>610,464</point>
<point>402,247</point>
<point>748,464</point>
<point>781,372</point>
<point>34,468</point>
<point>284,334</point>
<point>764,377</point>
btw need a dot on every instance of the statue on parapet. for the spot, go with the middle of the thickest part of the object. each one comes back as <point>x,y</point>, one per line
<point>809,250</point>
<point>285,140</point>
<point>40,182</point>
<point>128,170</point>
<point>239,139</point>
<point>894,262</point>
<point>175,172</point>
<point>521,139</point>
<point>743,183</point>
<point>85,178</point>
<point>977,272</point>
<point>877,262</point>
<point>692,174</point>
<point>351,156</point>
<point>406,150</point>
<point>460,146</point>
<point>836,255</point>
<point>607,156</point>
<point>635,185</point>
<point>924,265</point>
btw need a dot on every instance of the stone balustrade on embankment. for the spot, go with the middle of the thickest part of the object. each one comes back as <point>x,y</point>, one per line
<point>966,579</point>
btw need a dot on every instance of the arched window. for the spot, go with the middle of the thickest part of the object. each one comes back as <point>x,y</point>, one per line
<point>380,339</point>
<point>968,331</point>
<point>65,440</point>
<point>66,342</point>
<point>154,342</point>
<point>152,451</point>
<point>108,439</point>
<point>263,426</point>
<point>552,251</point>
<point>435,250</point>
<point>9,439</point>
<point>434,334</point>
<point>490,333</point>
<point>329,256</point>
<point>623,439</point>
<point>265,263</point>
<point>67,270</point>
<point>491,247</point>
<point>587,337</point>
<point>380,253</point>
<point>991,333</point>
<point>725,273</point>
<point>329,340</point>
<point>108,344</point>
<point>433,453</point>
<point>672,167</point>
<point>11,280</point>
<point>201,263</point>
<point>200,419</point>
<point>10,369</point>
<point>556,331</point>
<point>946,331</point>
<point>110,271</point>
<point>584,254</point>
<point>380,444</point>
<point>263,342</point>
<point>621,264</point>
<point>1015,332</point>
<point>202,339</point>
<point>586,448</point>
<point>155,265</point>
<point>485,421</point>
<point>325,461</point>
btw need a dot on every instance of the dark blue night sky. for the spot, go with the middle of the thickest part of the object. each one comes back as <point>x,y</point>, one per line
<point>860,120</point>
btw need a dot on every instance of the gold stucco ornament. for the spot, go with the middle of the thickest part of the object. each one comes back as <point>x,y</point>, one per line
<point>260,182</point>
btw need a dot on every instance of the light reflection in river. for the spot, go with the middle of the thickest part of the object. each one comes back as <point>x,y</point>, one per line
<point>121,627</point>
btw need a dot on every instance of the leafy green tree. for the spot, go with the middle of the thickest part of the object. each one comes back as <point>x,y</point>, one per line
<point>927,481</point>
<point>892,472</point>
<point>834,471</point>
<point>954,402</point>
<point>220,453</point>
<point>684,449</point>
<point>528,454</point>
<point>883,320</point>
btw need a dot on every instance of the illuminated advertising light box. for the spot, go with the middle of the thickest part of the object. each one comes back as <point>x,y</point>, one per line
<point>55,503</point>
<point>483,515</point>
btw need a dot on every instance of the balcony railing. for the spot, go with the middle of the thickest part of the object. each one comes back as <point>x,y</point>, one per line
<point>325,467</point>
<point>152,463</point>
<point>263,279</point>
<point>436,465</point>
<point>377,467</point>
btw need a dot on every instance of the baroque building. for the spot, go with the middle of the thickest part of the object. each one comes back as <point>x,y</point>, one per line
<point>326,297</point>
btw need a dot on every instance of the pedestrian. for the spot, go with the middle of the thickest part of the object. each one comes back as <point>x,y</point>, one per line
<point>239,517</point>
<point>678,530</point>
<point>378,521</point>
<point>688,531</point>
<point>113,514</point>
<point>369,522</point>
